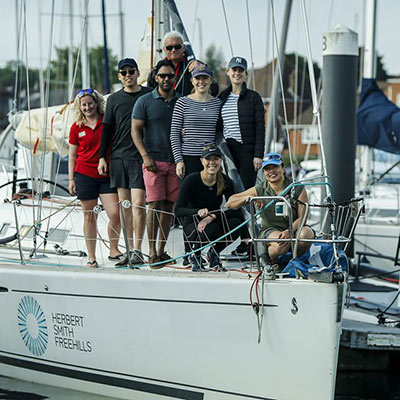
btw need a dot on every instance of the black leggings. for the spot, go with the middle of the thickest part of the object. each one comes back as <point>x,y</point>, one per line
<point>223,224</point>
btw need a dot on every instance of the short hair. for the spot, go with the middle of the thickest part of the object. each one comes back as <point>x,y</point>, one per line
<point>98,99</point>
<point>174,35</point>
<point>163,63</point>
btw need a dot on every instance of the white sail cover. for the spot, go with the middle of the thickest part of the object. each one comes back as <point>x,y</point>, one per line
<point>33,134</point>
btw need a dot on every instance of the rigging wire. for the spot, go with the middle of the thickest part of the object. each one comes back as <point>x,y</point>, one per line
<point>251,44</point>
<point>227,27</point>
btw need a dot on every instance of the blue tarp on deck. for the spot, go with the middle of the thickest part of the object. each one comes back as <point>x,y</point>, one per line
<point>378,119</point>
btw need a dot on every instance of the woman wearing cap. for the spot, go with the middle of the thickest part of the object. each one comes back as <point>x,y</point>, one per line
<point>243,127</point>
<point>199,202</point>
<point>84,179</point>
<point>272,225</point>
<point>194,123</point>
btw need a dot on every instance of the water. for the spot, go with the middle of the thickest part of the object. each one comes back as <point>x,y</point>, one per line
<point>350,386</point>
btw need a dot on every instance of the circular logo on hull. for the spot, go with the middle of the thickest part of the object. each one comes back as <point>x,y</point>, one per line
<point>32,325</point>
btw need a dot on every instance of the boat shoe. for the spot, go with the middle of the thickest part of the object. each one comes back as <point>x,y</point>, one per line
<point>136,257</point>
<point>214,260</point>
<point>197,265</point>
<point>167,258</point>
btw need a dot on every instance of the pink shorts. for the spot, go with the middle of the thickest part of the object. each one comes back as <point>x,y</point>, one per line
<point>163,184</point>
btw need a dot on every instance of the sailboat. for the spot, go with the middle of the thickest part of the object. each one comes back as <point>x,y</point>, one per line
<point>141,333</point>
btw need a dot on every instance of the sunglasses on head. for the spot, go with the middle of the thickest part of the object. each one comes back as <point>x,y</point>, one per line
<point>272,157</point>
<point>169,76</point>
<point>83,92</point>
<point>129,71</point>
<point>173,46</point>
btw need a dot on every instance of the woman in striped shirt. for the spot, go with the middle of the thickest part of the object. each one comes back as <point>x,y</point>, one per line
<point>194,123</point>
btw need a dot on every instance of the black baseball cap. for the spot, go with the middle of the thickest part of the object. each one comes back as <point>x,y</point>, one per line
<point>237,62</point>
<point>211,151</point>
<point>127,62</point>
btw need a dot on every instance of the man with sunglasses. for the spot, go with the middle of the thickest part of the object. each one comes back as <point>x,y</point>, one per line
<point>151,126</point>
<point>125,160</point>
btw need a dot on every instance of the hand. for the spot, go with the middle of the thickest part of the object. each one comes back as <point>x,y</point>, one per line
<point>203,223</point>
<point>259,204</point>
<point>102,168</point>
<point>257,162</point>
<point>203,212</point>
<point>284,235</point>
<point>149,164</point>
<point>180,169</point>
<point>192,64</point>
<point>72,187</point>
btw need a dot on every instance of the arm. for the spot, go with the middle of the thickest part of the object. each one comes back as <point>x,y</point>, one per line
<point>106,136</point>
<point>175,137</point>
<point>182,208</point>
<point>136,132</point>
<point>238,199</point>
<point>71,168</point>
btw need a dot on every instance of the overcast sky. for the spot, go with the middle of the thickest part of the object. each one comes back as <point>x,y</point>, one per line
<point>322,16</point>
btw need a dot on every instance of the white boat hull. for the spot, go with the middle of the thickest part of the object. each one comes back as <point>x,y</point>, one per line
<point>155,335</point>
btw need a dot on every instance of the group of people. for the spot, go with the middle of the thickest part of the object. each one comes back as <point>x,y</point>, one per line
<point>156,146</point>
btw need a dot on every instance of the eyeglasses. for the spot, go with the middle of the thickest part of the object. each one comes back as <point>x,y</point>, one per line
<point>83,92</point>
<point>164,76</point>
<point>129,71</point>
<point>173,46</point>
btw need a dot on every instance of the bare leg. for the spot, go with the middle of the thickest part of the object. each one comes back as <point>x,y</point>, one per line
<point>166,219</point>
<point>124,194</point>
<point>90,227</point>
<point>306,233</point>
<point>110,203</point>
<point>139,223</point>
<point>152,223</point>
<point>275,249</point>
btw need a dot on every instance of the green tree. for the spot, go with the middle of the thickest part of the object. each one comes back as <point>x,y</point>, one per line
<point>214,58</point>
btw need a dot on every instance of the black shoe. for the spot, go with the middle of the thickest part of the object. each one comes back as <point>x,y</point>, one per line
<point>186,261</point>
<point>196,265</point>
<point>241,250</point>
<point>213,259</point>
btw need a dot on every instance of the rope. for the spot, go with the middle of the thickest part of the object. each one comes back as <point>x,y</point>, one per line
<point>227,27</point>
<point>250,43</point>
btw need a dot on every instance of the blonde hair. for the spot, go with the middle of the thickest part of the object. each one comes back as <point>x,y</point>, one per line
<point>98,99</point>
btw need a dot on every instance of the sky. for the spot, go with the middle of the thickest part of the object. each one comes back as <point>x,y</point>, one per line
<point>323,15</point>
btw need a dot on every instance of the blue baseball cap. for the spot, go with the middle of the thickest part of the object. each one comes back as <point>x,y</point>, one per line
<point>272,159</point>
<point>201,70</point>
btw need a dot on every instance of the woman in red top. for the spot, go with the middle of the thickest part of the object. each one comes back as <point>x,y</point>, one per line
<point>84,180</point>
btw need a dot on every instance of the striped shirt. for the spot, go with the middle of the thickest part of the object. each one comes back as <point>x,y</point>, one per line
<point>193,126</point>
<point>230,118</point>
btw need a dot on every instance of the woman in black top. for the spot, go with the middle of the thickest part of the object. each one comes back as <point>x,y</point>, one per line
<point>243,119</point>
<point>199,202</point>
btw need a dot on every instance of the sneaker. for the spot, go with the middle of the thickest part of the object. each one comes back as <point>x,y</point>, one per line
<point>241,250</point>
<point>186,261</point>
<point>155,260</point>
<point>196,265</point>
<point>167,258</point>
<point>214,259</point>
<point>137,257</point>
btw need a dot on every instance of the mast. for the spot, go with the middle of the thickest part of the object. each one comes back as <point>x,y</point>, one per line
<point>276,89</point>
<point>70,50</point>
<point>84,55</point>
<point>369,72</point>
<point>105,50</point>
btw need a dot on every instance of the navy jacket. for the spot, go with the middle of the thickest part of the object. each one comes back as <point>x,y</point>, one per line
<point>251,119</point>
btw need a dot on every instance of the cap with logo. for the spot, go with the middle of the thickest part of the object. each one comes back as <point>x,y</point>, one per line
<point>127,62</point>
<point>201,70</point>
<point>272,159</point>
<point>237,62</point>
<point>211,151</point>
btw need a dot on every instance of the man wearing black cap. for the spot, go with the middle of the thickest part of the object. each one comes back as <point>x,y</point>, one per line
<point>125,160</point>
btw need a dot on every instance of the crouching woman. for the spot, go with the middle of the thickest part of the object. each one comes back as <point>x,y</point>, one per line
<point>200,199</point>
<point>277,226</point>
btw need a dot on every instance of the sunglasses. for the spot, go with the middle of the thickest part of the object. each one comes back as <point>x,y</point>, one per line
<point>83,92</point>
<point>272,157</point>
<point>174,46</point>
<point>164,76</point>
<point>130,72</point>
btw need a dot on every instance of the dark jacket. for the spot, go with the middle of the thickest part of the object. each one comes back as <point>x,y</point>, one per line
<point>251,119</point>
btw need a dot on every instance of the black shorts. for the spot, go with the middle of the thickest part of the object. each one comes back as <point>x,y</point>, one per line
<point>126,174</point>
<point>88,188</point>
